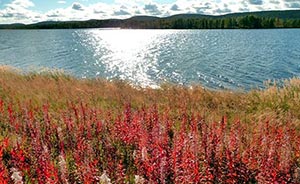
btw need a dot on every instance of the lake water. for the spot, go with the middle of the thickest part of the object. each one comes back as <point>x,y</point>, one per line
<point>217,59</point>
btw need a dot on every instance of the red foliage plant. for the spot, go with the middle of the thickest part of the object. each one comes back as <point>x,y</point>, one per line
<point>86,145</point>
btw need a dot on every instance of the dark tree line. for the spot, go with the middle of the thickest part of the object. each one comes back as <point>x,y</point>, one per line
<point>239,22</point>
<point>246,22</point>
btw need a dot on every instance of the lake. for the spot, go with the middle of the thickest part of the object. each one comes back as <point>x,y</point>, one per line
<point>216,59</point>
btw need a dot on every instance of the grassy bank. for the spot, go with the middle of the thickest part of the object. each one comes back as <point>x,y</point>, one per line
<point>58,90</point>
<point>60,129</point>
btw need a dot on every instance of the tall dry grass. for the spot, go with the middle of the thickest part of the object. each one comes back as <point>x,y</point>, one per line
<point>58,90</point>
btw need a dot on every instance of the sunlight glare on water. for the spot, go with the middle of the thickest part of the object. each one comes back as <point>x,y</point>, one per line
<point>215,59</point>
<point>127,53</point>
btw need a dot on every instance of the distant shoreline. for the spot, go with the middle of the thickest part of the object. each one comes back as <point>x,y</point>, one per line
<point>247,20</point>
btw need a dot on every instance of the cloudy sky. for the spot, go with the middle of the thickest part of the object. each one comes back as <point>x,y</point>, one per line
<point>30,11</point>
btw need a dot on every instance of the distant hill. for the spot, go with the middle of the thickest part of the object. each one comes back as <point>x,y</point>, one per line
<point>11,26</point>
<point>287,14</point>
<point>143,18</point>
<point>189,16</point>
<point>248,20</point>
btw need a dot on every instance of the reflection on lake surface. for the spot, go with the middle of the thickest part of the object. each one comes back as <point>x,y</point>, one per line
<point>126,54</point>
<point>217,59</point>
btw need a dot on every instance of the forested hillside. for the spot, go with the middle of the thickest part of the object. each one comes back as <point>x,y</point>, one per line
<point>249,20</point>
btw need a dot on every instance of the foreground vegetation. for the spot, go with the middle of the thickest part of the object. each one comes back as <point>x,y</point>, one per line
<point>57,129</point>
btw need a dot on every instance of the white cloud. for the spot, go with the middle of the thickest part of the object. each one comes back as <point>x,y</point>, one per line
<point>152,9</point>
<point>21,10</point>
<point>174,7</point>
<point>21,3</point>
<point>77,6</point>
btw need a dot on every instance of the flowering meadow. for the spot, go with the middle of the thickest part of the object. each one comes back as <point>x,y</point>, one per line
<point>47,135</point>
<point>87,145</point>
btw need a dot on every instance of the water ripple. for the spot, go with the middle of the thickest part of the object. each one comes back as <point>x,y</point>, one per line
<point>218,59</point>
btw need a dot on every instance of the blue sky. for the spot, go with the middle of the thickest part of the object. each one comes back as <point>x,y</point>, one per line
<point>30,11</point>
